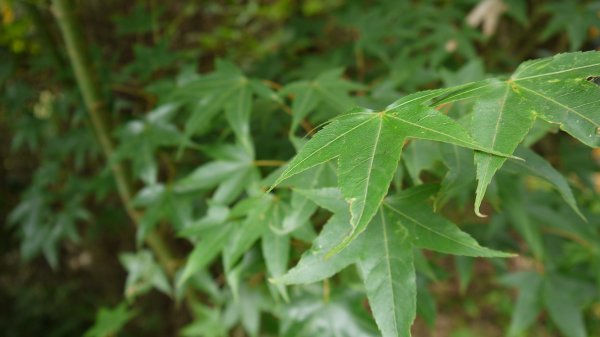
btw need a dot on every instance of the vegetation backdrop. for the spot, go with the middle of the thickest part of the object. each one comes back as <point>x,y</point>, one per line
<point>300,168</point>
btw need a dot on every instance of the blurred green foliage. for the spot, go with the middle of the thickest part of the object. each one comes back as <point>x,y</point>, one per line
<point>206,101</point>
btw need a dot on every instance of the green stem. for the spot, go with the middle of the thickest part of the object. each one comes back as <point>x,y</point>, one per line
<point>92,97</point>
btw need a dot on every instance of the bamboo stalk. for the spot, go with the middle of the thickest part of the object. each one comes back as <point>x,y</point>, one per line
<point>93,100</point>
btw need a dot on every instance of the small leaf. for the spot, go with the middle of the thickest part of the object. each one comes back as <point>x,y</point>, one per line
<point>333,90</point>
<point>143,273</point>
<point>110,321</point>
<point>207,323</point>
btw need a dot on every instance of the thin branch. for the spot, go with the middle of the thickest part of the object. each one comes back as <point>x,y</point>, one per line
<point>308,128</point>
<point>570,236</point>
<point>269,163</point>
<point>90,90</point>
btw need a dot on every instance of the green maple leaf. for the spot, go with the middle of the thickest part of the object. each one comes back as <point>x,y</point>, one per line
<point>560,296</point>
<point>554,89</point>
<point>384,253</point>
<point>230,172</point>
<point>110,321</point>
<point>571,17</point>
<point>368,147</point>
<point>232,236</point>
<point>327,88</point>
<point>430,230</point>
<point>225,89</point>
<point>143,273</point>
<point>342,316</point>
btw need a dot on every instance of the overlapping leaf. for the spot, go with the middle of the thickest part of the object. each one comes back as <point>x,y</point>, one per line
<point>560,296</point>
<point>230,236</point>
<point>212,242</point>
<point>430,230</point>
<point>554,89</point>
<point>341,316</point>
<point>536,165</point>
<point>384,253</point>
<point>225,89</point>
<point>230,172</point>
<point>143,273</point>
<point>368,147</point>
<point>328,88</point>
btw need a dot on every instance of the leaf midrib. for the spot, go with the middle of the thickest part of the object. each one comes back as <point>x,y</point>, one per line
<point>389,269</point>
<point>370,169</point>
<point>559,104</point>
<point>555,72</point>
<point>489,159</point>
<point>433,94</point>
<point>448,99</point>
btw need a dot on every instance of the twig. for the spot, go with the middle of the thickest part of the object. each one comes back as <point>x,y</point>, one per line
<point>269,163</point>
<point>308,128</point>
<point>90,90</point>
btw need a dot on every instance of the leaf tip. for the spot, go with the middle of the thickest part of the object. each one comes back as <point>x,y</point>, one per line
<point>504,255</point>
<point>479,199</point>
<point>478,212</point>
<point>278,181</point>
